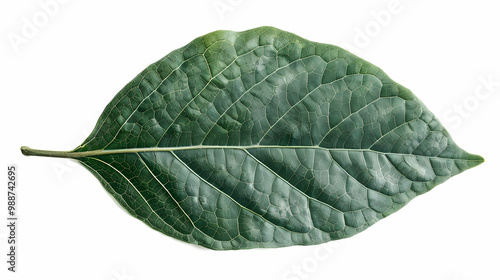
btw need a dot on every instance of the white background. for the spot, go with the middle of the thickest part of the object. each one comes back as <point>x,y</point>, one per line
<point>57,78</point>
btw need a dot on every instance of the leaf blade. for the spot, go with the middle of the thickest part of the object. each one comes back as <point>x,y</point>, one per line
<point>261,138</point>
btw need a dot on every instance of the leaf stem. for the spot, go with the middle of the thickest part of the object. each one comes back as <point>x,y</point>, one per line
<point>27,151</point>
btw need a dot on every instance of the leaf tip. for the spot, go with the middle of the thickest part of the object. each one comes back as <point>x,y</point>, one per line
<point>475,160</point>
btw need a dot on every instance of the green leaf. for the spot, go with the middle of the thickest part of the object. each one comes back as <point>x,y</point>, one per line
<point>264,139</point>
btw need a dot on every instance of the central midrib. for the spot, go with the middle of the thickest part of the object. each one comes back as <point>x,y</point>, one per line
<point>71,154</point>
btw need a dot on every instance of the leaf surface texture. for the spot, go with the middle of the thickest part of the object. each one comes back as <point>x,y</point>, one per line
<point>264,139</point>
